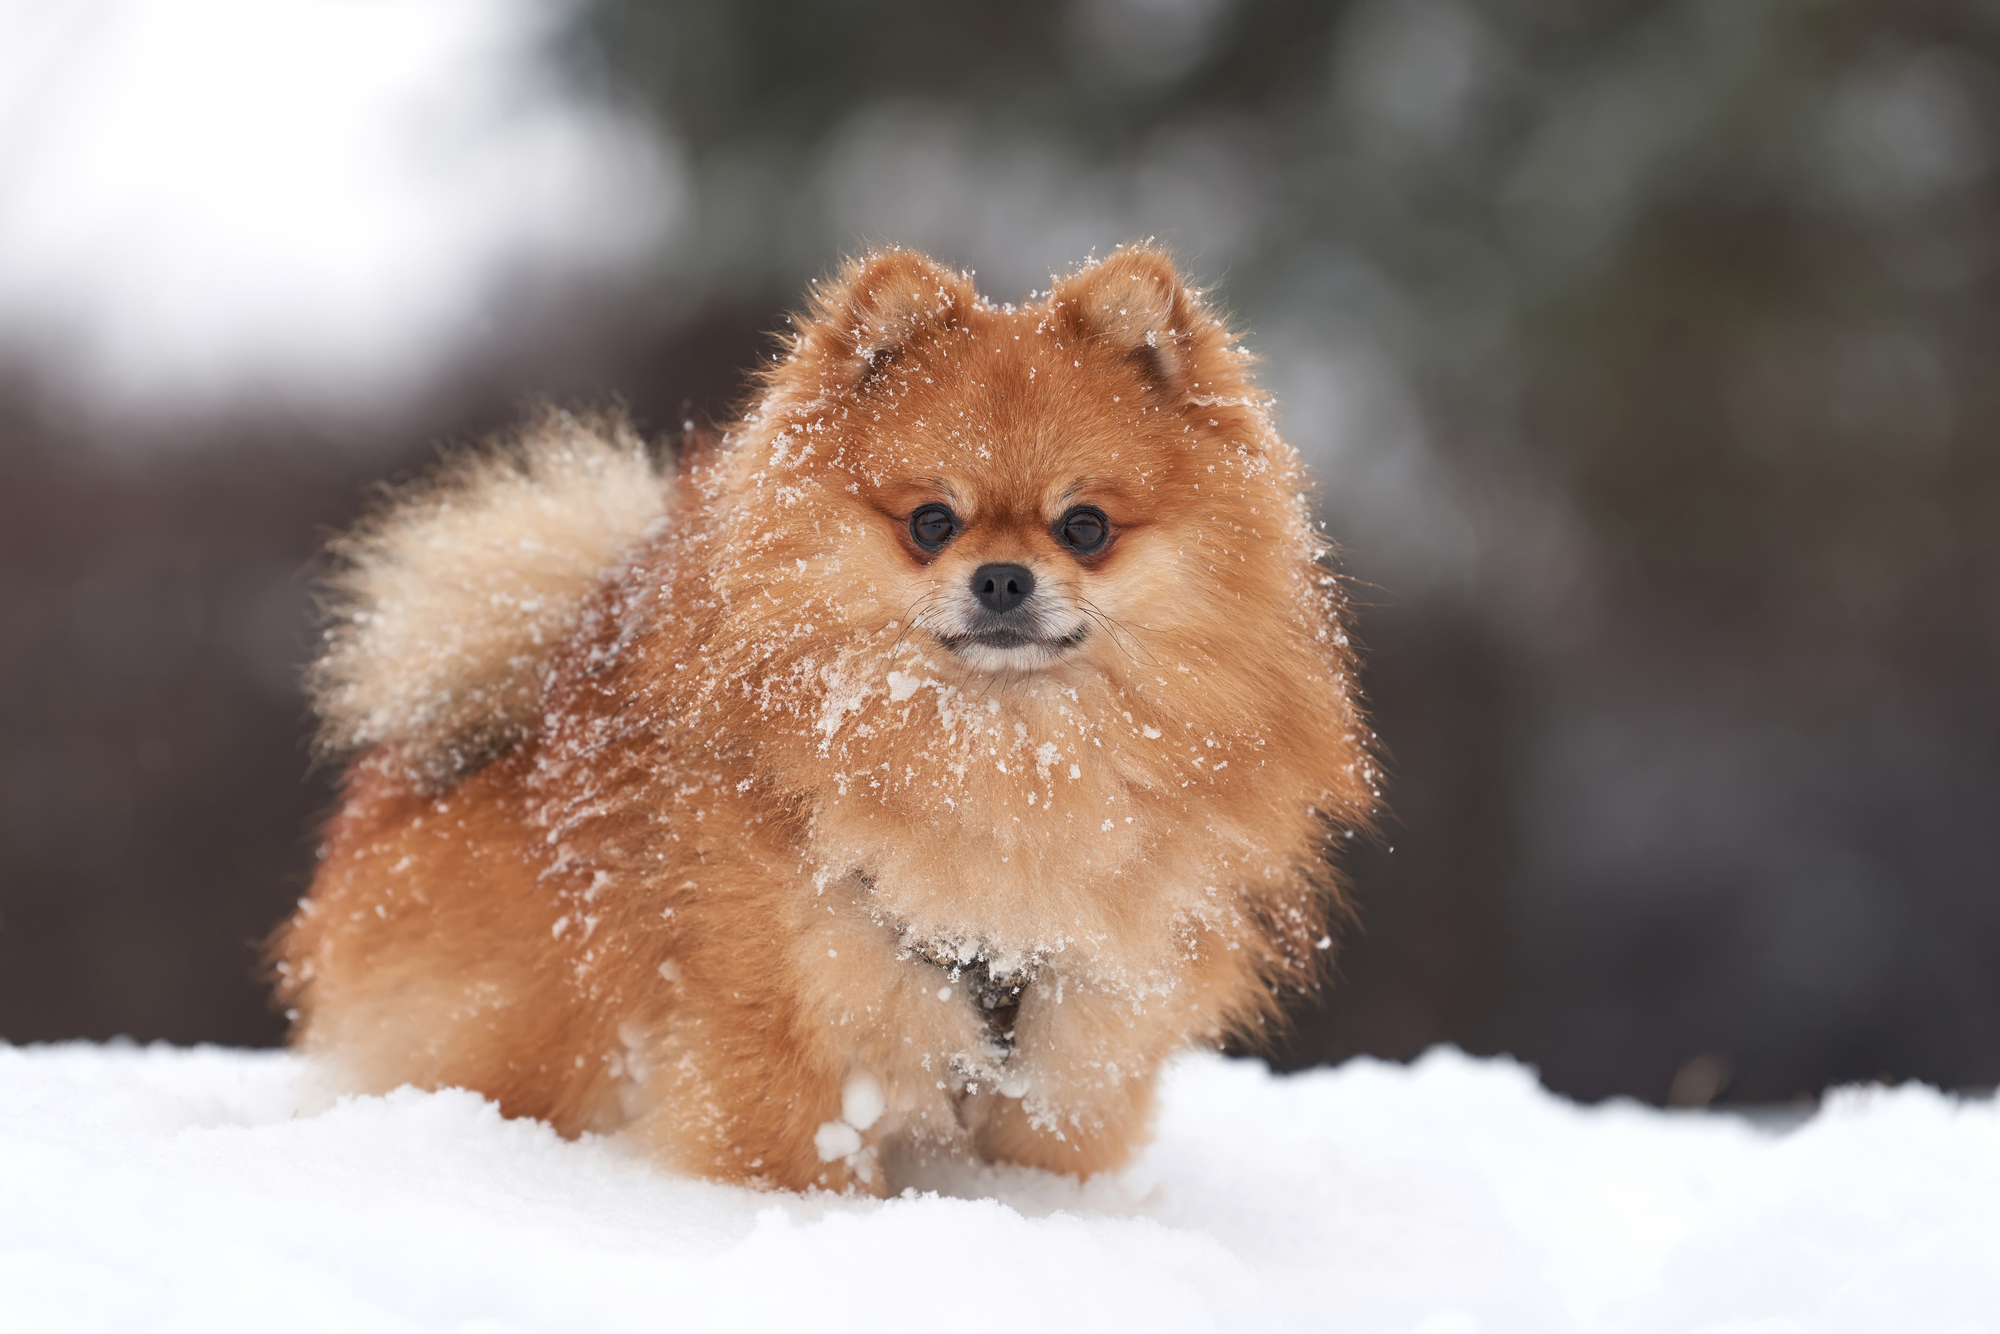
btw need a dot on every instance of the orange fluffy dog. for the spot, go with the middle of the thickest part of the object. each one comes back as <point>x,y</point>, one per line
<point>947,746</point>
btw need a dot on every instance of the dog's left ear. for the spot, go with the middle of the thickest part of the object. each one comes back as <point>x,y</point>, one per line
<point>1135,301</point>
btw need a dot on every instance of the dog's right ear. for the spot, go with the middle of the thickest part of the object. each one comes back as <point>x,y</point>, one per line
<point>1135,301</point>
<point>874,308</point>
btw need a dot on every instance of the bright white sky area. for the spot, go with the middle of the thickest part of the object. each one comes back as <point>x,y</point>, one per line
<point>205,198</point>
<point>172,1189</point>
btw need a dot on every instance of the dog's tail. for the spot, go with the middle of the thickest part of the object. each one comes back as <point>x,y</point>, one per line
<point>444,606</point>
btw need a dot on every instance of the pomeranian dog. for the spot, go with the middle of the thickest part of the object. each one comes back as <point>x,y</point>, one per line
<point>954,738</point>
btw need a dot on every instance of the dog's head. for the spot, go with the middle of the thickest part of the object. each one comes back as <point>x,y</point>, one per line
<point>1039,573</point>
<point>1080,484</point>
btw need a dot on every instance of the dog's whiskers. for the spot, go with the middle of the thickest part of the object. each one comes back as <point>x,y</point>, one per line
<point>914,617</point>
<point>1115,629</point>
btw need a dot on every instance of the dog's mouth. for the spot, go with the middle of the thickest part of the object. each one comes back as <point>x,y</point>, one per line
<point>967,642</point>
<point>1038,631</point>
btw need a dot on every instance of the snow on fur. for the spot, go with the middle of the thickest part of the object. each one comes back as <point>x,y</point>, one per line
<point>445,604</point>
<point>164,1188</point>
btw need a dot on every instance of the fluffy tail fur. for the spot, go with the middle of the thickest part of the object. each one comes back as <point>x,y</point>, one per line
<point>444,605</point>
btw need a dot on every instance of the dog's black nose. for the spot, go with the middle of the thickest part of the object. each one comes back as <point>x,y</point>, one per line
<point>1002,587</point>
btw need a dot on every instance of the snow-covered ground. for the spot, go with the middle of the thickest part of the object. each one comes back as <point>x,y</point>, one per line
<point>173,1189</point>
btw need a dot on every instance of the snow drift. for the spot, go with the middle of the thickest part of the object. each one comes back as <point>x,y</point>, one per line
<point>163,1188</point>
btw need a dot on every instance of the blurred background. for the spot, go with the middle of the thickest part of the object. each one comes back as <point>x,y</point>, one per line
<point>1645,353</point>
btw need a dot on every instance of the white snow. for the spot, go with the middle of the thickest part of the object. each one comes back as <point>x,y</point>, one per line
<point>836,1139</point>
<point>861,1100</point>
<point>178,1189</point>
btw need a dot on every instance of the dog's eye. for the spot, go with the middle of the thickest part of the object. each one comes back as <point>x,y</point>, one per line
<point>932,526</point>
<point>1083,530</point>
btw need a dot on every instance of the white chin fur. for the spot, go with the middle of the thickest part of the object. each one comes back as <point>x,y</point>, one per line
<point>1023,658</point>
